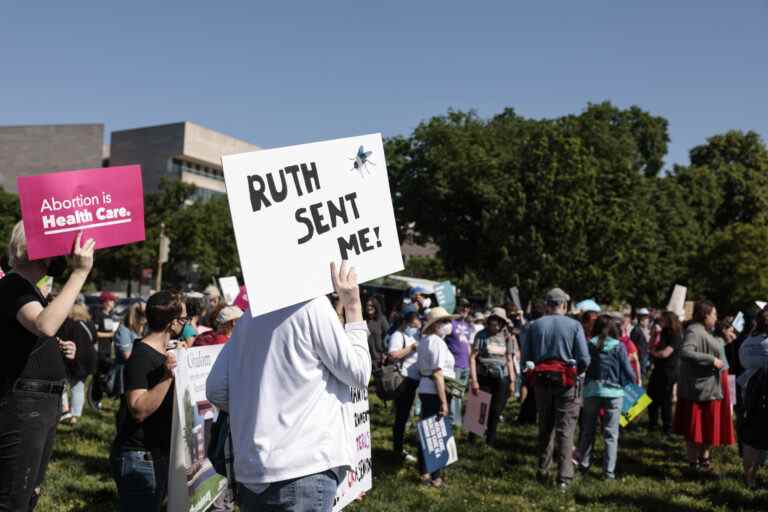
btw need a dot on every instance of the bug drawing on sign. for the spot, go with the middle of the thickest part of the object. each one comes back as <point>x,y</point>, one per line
<point>361,161</point>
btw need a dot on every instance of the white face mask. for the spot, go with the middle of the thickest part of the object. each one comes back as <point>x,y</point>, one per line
<point>444,330</point>
<point>425,303</point>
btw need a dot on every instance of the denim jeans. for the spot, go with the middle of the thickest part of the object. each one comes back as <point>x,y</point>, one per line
<point>590,417</point>
<point>141,479</point>
<point>403,404</point>
<point>311,493</point>
<point>430,406</point>
<point>28,422</point>
<point>462,375</point>
<point>78,397</point>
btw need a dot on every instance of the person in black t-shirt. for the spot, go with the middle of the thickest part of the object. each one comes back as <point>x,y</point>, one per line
<point>141,449</point>
<point>33,368</point>
<point>663,376</point>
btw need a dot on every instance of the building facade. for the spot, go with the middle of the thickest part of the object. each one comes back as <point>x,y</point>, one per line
<point>39,149</point>
<point>180,151</point>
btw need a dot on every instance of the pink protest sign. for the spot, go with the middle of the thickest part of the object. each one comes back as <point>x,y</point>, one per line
<point>106,203</point>
<point>476,415</point>
<point>242,299</point>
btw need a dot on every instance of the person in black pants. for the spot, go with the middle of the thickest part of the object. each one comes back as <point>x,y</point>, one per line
<point>33,368</point>
<point>663,375</point>
<point>402,348</point>
<point>491,367</point>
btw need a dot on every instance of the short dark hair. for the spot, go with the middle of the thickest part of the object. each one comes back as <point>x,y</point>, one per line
<point>163,308</point>
<point>701,310</point>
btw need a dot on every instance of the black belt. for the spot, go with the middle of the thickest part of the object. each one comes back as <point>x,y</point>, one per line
<point>39,386</point>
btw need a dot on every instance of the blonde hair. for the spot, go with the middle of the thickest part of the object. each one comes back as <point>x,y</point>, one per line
<point>135,319</point>
<point>17,246</point>
<point>80,312</point>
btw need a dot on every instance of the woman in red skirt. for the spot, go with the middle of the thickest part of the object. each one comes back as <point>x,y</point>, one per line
<point>703,414</point>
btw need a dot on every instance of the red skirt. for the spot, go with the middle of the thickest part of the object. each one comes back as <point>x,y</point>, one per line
<point>707,422</point>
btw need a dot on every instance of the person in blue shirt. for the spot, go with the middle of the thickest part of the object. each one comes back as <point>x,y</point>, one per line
<point>556,347</point>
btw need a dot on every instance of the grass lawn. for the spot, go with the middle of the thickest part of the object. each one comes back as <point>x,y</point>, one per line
<point>651,475</point>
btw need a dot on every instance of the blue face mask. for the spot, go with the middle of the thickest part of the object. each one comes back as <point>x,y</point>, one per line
<point>413,332</point>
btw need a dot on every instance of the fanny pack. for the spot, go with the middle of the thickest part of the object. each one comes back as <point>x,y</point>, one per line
<point>554,372</point>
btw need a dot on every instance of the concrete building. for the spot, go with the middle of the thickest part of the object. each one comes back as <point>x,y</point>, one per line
<point>185,151</point>
<point>38,149</point>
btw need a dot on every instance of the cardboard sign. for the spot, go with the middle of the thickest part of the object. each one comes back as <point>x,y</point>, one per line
<point>107,203</point>
<point>297,209</point>
<point>360,479</point>
<point>476,414</point>
<point>446,296</point>
<point>437,443</point>
<point>193,484</point>
<point>635,402</point>
<point>514,295</point>
<point>676,302</point>
<point>229,289</point>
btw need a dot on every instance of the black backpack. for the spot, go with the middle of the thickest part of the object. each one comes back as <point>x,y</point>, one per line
<point>756,411</point>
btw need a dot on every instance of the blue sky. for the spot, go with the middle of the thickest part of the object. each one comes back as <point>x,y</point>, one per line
<point>280,73</point>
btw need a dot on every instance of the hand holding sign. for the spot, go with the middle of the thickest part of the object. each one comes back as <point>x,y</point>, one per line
<point>82,255</point>
<point>345,283</point>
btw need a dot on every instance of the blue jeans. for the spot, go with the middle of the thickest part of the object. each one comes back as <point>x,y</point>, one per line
<point>141,479</point>
<point>590,417</point>
<point>462,375</point>
<point>78,397</point>
<point>311,493</point>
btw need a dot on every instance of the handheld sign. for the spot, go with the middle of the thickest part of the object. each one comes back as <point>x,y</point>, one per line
<point>229,288</point>
<point>476,415</point>
<point>437,443</point>
<point>107,203</point>
<point>296,209</point>
<point>635,402</point>
<point>446,296</point>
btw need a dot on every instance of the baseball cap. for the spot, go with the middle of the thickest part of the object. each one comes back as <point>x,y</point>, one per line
<point>107,296</point>
<point>556,295</point>
<point>464,303</point>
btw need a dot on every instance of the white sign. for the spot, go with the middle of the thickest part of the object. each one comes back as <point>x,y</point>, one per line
<point>193,484</point>
<point>229,288</point>
<point>360,478</point>
<point>299,208</point>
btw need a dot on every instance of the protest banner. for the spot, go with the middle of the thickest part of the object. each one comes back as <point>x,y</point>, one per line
<point>297,209</point>
<point>193,484</point>
<point>229,289</point>
<point>738,322</point>
<point>446,296</point>
<point>635,402</point>
<point>360,478</point>
<point>514,295</point>
<point>107,203</point>
<point>437,443</point>
<point>476,413</point>
<point>676,302</point>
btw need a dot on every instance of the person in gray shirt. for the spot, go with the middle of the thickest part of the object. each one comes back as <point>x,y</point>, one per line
<point>557,347</point>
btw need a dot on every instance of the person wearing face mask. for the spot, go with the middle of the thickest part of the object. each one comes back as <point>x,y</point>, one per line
<point>419,298</point>
<point>459,342</point>
<point>33,367</point>
<point>436,364</point>
<point>492,367</point>
<point>141,449</point>
<point>403,348</point>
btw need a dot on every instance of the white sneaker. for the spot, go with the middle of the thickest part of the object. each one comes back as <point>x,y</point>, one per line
<point>65,417</point>
<point>407,457</point>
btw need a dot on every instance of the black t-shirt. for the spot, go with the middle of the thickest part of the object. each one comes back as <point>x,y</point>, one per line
<point>26,355</point>
<point>83,334</point>
<point>668,365</point>
<point>144,369</point>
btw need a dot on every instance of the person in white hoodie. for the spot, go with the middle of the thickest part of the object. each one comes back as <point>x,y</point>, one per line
<point>286,379</point>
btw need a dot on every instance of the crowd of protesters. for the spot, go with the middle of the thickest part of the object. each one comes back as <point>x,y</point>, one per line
<point>569,368</point>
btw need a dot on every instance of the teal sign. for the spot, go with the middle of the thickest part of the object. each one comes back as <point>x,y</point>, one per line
<point>446,296</point>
